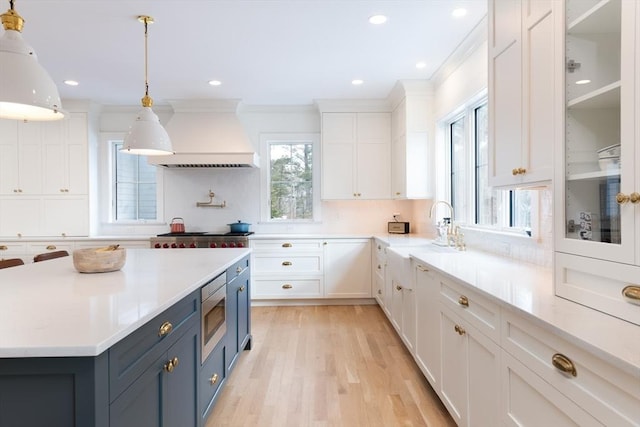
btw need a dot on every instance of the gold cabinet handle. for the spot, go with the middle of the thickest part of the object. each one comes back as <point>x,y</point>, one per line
<point>522,171</point>
<point>241,288</point>
<point>379,267</point>
<point>171,364</point>
<point>239,270</point>
<point>379,292</point>
<point>633,293</point>
<point>287,286</point>
<point>165,329</point>
<point>514,172</point>
<point>398,287</point>
<point>463,301</point>
<point>287,245</point>
<point>214,379</point>
<point>622,198</point>
<point>459,329</point>
<point>379,247</point>
<point>51,247</point>
<point>398,193</point>
<point>3,247</point>
<point>564,364</point>
<point>634,198</point>
<point>422,268</point>
<point>286,263</point>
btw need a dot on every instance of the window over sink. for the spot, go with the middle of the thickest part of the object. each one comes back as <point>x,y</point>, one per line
<point>466,150</point>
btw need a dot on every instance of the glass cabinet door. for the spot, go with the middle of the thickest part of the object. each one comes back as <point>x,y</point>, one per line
<point>598,131</point>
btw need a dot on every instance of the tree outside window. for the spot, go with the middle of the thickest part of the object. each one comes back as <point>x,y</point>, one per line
<point>291,181</point>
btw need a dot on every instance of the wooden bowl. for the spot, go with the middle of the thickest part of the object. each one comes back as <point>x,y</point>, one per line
<point>99,260</point>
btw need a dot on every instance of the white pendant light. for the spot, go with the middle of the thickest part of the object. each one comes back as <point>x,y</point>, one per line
<point>146,136</point>
<point>26,90</point>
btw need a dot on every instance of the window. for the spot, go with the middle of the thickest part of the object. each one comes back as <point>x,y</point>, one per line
<point>293,194</point>
<point>134,186</point>
<point>474,202</point>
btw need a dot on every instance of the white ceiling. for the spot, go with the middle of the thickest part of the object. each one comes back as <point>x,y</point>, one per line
<point>265,52</point>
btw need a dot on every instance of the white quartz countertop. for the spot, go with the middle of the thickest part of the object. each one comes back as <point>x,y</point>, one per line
<point>48,309</point>
<point>528,290</point>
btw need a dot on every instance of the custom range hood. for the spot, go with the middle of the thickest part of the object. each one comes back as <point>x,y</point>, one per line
<point>207,134</point>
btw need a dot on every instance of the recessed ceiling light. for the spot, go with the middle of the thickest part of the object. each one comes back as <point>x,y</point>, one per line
<point>357,82</point>
<point>459,12</point>
<point>377,19</point>
<point>71,83</point>
<point>583,82</point>
<point>215,82</point>
<point>421,64</point>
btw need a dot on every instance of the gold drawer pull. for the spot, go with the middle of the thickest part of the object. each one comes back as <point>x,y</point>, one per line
<point>51,247</point>
<point>171,364</point>
<point>459,329</point>
<point>633,293</point>
<point>379,292</point>
<point>239,270</point>
<point>463,301</point>
<point>165,329</point>
<point>287,286</point>
<point>286,263</point>
<point>287,245</point>
<point>564,364</point>
<point>398,287</point>
<point>634,198</point>
<point>3,247</point>
<point>514,172</point>
<point>241,288</point>
<point>422,268</point>
<point>379,267</point>
<point>214,379</point>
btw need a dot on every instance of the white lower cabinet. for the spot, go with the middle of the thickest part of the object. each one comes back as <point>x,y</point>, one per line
<point>347,268</point>
<point>470,377</point>
<point>379,273</point>
<point>427,349</point>
<point>311,268</point>
<point>494,366</point>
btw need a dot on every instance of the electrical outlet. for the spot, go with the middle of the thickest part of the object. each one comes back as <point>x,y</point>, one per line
<point>571,226</point>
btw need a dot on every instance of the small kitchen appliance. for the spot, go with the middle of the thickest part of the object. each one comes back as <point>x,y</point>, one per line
<point>398,227</point>
<point>177,225</point>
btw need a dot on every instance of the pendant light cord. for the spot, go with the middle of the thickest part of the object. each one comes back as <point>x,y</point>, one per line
<point>11,4</point>
<point>146,57</point>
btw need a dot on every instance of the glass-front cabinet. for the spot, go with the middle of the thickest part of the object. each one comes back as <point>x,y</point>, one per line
<point>596,186</point>
<point>599,134</point>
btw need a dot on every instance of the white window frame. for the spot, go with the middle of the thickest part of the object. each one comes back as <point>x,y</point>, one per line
<point>106,181</point>
<point>266,139</point>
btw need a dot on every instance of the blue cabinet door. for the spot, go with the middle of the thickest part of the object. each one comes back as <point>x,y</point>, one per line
<point>165,394</point>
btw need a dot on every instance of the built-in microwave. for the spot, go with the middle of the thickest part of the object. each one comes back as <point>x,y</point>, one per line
<point>214,317</point>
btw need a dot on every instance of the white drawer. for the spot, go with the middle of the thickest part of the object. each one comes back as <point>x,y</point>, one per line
<point>287,264</point>
<point>598,284</point>
<point>12,249</point>
<point>481,312</point>
<point>609,394</point>
<point>274,288</point>
<point>531,401</point>
<point>287,245</point>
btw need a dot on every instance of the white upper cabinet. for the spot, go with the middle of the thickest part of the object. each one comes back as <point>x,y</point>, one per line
<point>20,157</point>
<point>356,156</point>
<point>522,91</point>
<point>65,156</point>
<point>410,142</point>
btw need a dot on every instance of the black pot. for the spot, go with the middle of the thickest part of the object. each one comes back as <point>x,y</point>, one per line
<point>239,227</point>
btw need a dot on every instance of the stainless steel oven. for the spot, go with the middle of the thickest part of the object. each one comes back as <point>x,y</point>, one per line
<point>214,316</point>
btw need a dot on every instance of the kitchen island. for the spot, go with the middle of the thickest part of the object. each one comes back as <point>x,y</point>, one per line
<point>76,348</point>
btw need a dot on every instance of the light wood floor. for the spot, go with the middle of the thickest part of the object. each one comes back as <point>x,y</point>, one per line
<point>326,366</point>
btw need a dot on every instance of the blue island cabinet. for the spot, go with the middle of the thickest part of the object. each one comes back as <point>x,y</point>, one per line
<point>153,377</point>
